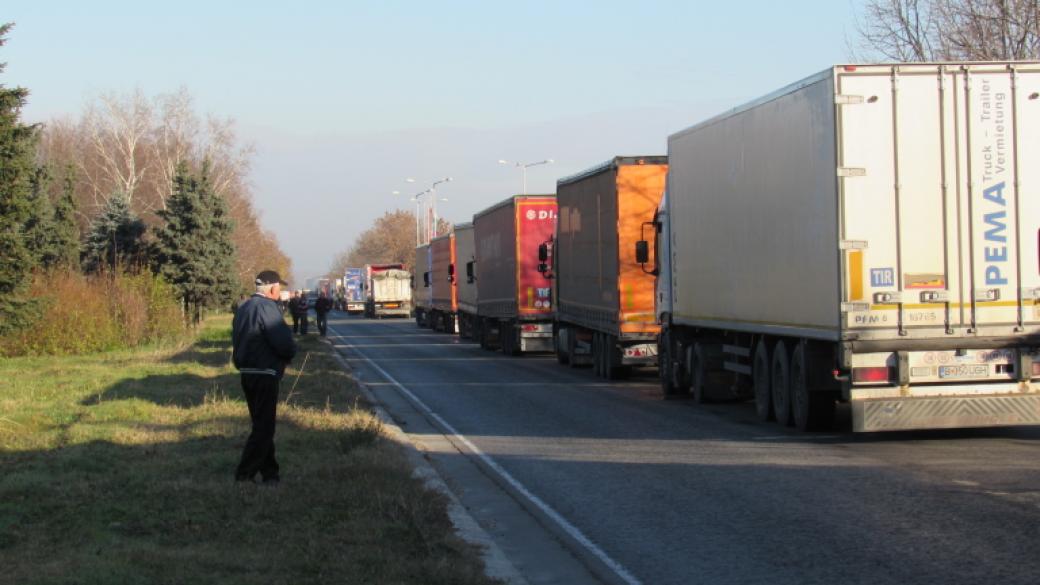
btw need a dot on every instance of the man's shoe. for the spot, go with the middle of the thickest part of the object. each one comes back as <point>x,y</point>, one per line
<point>270,482</point>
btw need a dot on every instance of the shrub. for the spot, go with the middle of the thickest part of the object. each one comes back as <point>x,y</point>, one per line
<point>83,314</point>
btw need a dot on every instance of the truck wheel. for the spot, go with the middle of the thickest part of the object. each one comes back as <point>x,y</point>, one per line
<point>781,384</point>
<point>811,410</point>
<point>760,375</point>
<point>562,357</point>
<point>666,366</point>
<point>483,334</point>
<point>697,363</point>
<point>613,369</point>
<point>509,337</point>
<point>597,355</point>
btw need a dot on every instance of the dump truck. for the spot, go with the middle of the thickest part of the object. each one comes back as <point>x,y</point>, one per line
<point>514,307</point>
<point>353,293</point>
<point>604,300</point>
<point>868,235</point>
<point>387,291</point>
<point>422,293</point>
<point>443,292</point>
<point>466,279</point>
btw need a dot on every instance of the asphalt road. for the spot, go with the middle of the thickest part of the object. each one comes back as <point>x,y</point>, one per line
<point>673,492</point>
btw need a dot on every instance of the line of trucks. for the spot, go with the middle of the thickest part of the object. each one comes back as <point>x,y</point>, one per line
<point>869,235</point>
<point>377,291</point>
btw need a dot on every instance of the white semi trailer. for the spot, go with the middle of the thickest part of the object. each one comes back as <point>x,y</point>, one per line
<point>868,235</point>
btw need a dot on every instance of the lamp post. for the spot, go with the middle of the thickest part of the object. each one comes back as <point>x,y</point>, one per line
<point>431,230</point>
<point>523,168</point>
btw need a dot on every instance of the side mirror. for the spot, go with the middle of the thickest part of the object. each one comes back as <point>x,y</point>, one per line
<point>642,252</point>
<point>543,254</point>
<point>451,270</point>
<point>470,276</point>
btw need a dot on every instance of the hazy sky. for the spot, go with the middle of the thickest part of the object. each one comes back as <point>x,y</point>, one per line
<point>344,100</point>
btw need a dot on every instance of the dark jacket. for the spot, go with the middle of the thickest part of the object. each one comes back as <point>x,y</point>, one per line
<point>299,306</point>
<point>322,305</point>
<point>263,342</point>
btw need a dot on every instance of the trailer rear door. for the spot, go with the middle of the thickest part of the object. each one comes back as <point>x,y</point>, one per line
<point>940,203</point>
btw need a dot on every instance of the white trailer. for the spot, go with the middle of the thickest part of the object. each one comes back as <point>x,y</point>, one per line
<point>869,235</point>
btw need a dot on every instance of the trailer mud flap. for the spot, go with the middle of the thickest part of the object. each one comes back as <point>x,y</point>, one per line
<point>945,412</point>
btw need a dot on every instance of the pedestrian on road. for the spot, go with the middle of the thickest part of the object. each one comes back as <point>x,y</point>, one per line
<point>299,312</point>
<point>322,306</point>
<point>263,346</point>
<point>292,311</point>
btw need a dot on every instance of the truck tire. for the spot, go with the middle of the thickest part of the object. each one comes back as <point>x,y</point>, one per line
<point>613,369</point>
<point>666,366</point>
<point>696,361</point>
<point>780,381</point>
<point>562,357</point>
<point>811,410</point>
<point>761,381</point>
<point>509,337</point>
<point>597,355</point>
<point>483,334</point>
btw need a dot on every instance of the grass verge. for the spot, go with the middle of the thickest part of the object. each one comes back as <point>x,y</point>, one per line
<point>117,468</point>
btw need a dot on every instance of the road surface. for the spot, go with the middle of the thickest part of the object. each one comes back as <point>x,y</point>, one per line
<point>659,492</point>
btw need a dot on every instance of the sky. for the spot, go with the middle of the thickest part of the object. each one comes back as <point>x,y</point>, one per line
<point>343,101</point>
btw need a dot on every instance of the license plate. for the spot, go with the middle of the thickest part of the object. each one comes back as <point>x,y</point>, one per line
<point>391,306</point>
<point>964,371</point>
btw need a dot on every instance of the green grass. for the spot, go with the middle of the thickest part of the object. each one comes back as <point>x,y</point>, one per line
<point>117,468</point>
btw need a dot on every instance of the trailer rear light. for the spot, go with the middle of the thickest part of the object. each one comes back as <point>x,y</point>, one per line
<point>875,374</point>
<point>529,328</point>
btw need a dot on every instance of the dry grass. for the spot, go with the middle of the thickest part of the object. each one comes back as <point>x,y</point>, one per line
<point>117,468</point>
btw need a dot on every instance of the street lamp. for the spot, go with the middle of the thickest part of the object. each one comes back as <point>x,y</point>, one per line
<point>523,167</point>
<point>431,230</point>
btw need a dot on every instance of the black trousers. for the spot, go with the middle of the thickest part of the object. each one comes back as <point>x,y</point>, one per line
<point>323,323</point>
<point>295,324</point>
<point>302,320</point>
<point>258,456</point>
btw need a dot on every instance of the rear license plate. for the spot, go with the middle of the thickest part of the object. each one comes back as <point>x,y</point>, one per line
<point>391,306</point>
<point>964,371</point>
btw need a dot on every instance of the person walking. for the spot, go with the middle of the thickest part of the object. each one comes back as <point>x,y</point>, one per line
<point>262,347</point>
<point>322,306</point>
<point>299,312</point>
<point>295,298</point>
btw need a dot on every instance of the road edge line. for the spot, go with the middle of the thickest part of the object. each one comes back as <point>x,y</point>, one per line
<point>591,555</point>
<point>496,564</point>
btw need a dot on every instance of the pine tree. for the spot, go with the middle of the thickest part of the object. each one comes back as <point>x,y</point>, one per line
<point>39,226</point>
<point>17,151</point>
<point>116,237</point>
<point>178,249</point>
<point>220,249</point>
<point>65,246</point>
<point>193,248</point>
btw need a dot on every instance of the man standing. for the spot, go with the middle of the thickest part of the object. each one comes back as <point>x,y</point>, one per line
<point>299,312</point>
<point>263,346</point>
<point>322,306</point>
<point>292,311</point>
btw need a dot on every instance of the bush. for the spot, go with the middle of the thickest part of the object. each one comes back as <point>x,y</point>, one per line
<point>83,314</point>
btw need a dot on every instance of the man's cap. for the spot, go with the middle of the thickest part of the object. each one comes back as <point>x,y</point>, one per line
<point>269,277</point>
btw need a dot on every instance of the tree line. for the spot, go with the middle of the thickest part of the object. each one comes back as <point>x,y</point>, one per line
<point>390,240</point>
<point>134,185</point>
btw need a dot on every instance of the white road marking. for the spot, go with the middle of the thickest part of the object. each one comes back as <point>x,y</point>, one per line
<point>546,509</point>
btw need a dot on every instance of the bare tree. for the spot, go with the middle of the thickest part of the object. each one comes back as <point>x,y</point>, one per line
<point>949,30</point>
<point>115,129</point>
<point>173,140</point>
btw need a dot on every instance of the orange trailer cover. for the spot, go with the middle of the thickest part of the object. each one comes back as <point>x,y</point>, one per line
<point>639,192</point>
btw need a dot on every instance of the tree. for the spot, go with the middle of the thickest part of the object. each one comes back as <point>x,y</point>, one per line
<point>951,30</point>
<point>116,237</point>
<point>17,167</point>
<point>193,248</point>
<point>64,247</point>
<point>39,226</point>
